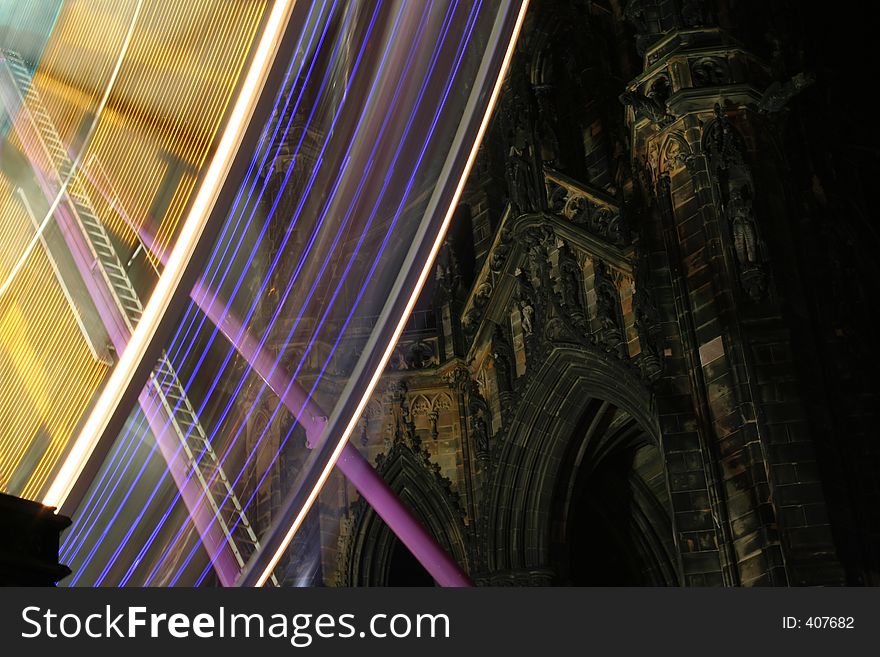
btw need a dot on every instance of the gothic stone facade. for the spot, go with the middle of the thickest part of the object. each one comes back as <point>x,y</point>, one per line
<point>643,358</point>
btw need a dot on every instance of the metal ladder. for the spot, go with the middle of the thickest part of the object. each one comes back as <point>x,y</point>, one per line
<point>200,455</point>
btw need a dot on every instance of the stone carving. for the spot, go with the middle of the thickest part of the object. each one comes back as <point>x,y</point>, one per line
<point>518,119</point>
<point>733,178</point>
<point>448,273</point>
<point>520,186</point>
<point>649,107</point>
<point>490,276</point>
<point>433,416</point>
<point>441,402</point>
<point>675,154</point>
<point>480,428</point>
<point>610,334</point>
<point>420,405</point>
<point>401,427</point>
<point>722,143</point>
<point>457,377</point>
<point>571,287</point>
<point>739,213</point>
<point>374,410</point>
<point>635,14</point>
<point>779,94</point>
<point>745,242</point>
<point>528,301</point>
<point>502,357</point>
<point>710,72</point>
<point>478,412</point>
<point>397,362</point>
<point>421,354</point>
<point>601,221</point>
<point>584,209</point>
<point>660,89</point>
<point>526,313</point>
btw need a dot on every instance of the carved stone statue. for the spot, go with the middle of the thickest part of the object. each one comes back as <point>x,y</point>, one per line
<point>722,143</point>
<point>728,167</point>
<point>608,312</point>
<point>481,433</point>
<point>710,72</point>
<point>644,106</point>
<point>635,14</point>
<point>520,181</point>
<point>526,313</point>
<point>779,94</point>
<point>518,116</point>
<point>571,285</point>
<point>742,220</point>
<point>501,356</point>
<point>420,355</point>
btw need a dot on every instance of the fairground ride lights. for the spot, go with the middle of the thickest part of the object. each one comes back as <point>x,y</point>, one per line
<point>189,236</point>
<point>299,629</point>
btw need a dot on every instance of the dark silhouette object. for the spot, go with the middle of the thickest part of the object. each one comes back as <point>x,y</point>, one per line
<point>29,537</point>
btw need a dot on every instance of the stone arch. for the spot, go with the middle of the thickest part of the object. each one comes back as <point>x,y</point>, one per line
<point>371,547</point>
<point>551,441</point>
<point>420,405</point>
<point>374,409</point>
<point>441,402</point>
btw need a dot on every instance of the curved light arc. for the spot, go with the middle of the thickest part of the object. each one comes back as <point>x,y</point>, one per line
<point>190,235</point>
<point>275,558</point>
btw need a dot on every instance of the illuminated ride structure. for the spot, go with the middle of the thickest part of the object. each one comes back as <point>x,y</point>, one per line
<point>216,219</point>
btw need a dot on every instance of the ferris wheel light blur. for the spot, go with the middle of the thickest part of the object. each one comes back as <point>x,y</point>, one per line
<point>216,223</point>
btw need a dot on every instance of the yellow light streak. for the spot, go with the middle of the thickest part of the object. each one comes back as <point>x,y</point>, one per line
<point>163,102</point>
<point>64,184</point>
<point>40,392</point>
<point>181,253</point>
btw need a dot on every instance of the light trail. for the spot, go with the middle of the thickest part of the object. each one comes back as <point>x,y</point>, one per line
<point>71,76</point>
<point>154,248</point>
<point>185,245</point>
<point>259,574</point>
<point>259,293</point>
<point>91,131</point>
<point>437,554</point>
<point>159,432</point>
<point>273,209</point>
<point>326,452</point>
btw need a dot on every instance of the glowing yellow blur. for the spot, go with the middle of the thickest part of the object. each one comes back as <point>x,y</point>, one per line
<point>149,143</point>
<point>38,394</point>
<point>184,246</point>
